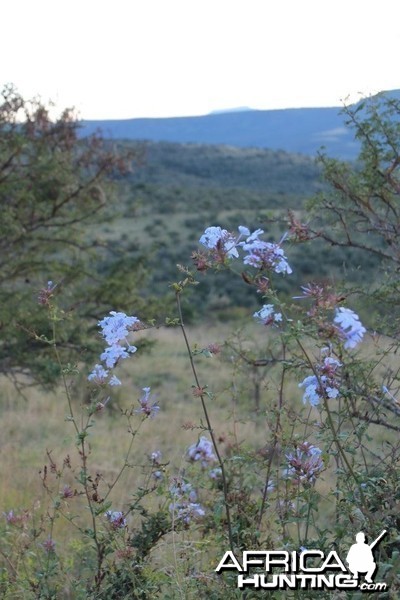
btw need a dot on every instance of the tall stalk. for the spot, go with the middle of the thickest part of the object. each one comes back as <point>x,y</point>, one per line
<point>208,421</point>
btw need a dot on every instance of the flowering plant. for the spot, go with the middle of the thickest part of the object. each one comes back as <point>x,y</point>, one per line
<point>291,440</point>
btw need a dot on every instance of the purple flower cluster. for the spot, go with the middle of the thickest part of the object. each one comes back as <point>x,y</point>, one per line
<point>46,293</point>
<point>265,255</point>
<point>203,451</point>
<point>49,545</point>
<point>116,518</point>
<point>147,408</point>
<point>184,506</point>
<point>215,474</point>
<point>16,519</point>
<point>259,254</point>
<point>304,464</point>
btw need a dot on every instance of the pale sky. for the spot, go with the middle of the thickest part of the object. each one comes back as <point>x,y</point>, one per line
<point>157,58</point>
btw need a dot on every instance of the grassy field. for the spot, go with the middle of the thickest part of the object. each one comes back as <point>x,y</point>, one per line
<point>36,424</point>
<point>245,401</point>
<point>34,428</point>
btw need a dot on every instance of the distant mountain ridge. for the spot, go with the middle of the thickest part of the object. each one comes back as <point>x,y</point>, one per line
<point>294,130</point>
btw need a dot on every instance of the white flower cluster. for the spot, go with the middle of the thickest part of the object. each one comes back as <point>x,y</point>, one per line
<point>114,329</point>
<point>267,315</point>
<point>100,376</point>
<point>349,326</point>
<point>325,381</point>
<point>202,451</point>
<point>260,254</point>
<point>325,384</point>
<point>155,457</point>
<point>216,238</point>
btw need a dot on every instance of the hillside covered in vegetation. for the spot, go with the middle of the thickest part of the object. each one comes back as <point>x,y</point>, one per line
<point>293,130</point>
<point>177,190</point>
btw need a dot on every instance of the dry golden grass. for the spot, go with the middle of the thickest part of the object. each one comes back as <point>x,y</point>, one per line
<point>33,425</point>
<point>36,425</point>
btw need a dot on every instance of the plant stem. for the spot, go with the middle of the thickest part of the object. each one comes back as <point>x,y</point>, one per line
<point>332,426</point>
<point>65,383</point>
<point>83,455</point>
<point>278,428</point>
<point>126,463</point>
<point>209,427</point>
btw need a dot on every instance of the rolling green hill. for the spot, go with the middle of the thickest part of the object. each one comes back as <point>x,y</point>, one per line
<point>205,165</point>
<point>178,190</point>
